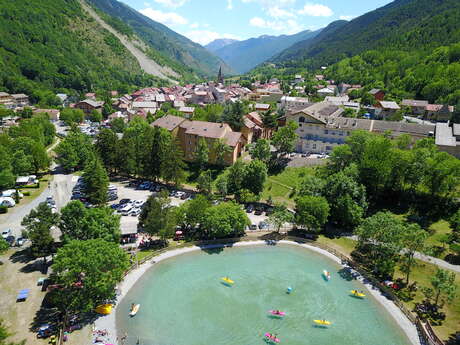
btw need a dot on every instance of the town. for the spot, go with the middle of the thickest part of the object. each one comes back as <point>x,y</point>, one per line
<point>199,172</point>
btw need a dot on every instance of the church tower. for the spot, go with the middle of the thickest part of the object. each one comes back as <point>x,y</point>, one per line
<point>220,76</point>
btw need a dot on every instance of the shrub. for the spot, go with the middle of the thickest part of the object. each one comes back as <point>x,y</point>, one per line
<point>3,209</point>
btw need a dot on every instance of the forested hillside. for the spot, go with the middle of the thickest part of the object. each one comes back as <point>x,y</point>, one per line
<point>410,48</point>
<point>48,46</point>
<point>167,44</point>
<point>244,55</point>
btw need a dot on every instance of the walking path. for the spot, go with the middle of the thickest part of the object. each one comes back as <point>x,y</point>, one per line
<point>108,322</point>
<point>426,258</point>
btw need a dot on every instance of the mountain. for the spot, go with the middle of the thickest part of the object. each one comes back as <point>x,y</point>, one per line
<point>50,46</point>
<point>406,24</point>
<point>166,43</point>
<point>244,55</point>
<point>219,43</point>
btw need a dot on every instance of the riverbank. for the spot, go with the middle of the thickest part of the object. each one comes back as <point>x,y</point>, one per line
<point>109,322</point>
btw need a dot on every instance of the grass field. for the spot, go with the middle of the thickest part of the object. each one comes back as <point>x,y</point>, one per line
<point>280,187</point>
<point>422,274</point>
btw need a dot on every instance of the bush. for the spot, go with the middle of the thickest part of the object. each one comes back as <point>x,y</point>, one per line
<point>26,193</point>
<point>3,209</point>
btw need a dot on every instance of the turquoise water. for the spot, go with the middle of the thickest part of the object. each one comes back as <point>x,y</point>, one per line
<point>183,301</point>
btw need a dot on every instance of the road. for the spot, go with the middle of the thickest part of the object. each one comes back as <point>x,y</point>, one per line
<point>60,188</point>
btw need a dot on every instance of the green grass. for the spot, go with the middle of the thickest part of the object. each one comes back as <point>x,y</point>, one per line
<point>34,192</point>
<point>342,244</point>
<point>280,187</point>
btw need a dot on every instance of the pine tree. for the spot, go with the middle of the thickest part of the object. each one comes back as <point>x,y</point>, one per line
<point>173,168</point>
<point>202,153</point>
<point>96,182</point>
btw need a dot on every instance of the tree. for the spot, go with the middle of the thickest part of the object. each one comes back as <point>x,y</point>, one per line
<point>285,138</point>
<point>22,163</point>
<point>346,197</point>
<point>380,237</point>
<point>311,212</point>
<point>86,273</point>
<point>235,177</point>
<point>222,185</point>
<point>80,223</point>
<point>35,150</point>
<point>442,288</point>
<point>74,151</point>
<point>192,213</point>
<point>4,246</point>
<point>118,125</point>
<point>280,216</point>
<point>204,182</point>
<point>96,182</point>
<point>255,175</point>
<point>72,116</point>
<point>270,119</point>
<point>158,153</point>
<point>310,185</point>
<point>339,159</point>
<point>454,221</point>
<point>225,220</point>
<point>261,150</point>
<point>173,168</point>
<point>107,147</point>
<point>7,179</point>
<point>96,116</point>
<point>158,216</point>
<point>38,224</point>
<point>413,240</point>
<point>233,115</point>
<point>221,150</point>
<point>202,153</point>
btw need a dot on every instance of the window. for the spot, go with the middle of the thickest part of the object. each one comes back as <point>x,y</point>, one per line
<point>302,119</point>
<point>326,131</point>
<point>314,146</point>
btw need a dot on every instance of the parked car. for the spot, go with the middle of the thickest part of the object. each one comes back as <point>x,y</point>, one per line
<point>249,208</point>
<point>185,196</point>
<point>10,239</point>
<point>144,185</point>
<point>125,210</point>
<point>6,201</point>
<point>114,206</point>
<point>138,203</point>
<point>135,212</point>
<point>6,233</point>
<point>124,201</point>
<point>252,227</point>
<point>20,241</point>
<point>263,225</point>
<point>259,210</point>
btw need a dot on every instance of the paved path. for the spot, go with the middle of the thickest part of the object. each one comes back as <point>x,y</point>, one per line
<point>428,259</point>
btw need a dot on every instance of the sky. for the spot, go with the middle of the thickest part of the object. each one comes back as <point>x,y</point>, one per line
<point>206,20</point>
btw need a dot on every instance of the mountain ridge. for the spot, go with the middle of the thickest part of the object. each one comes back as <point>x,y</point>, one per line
<point>219,43</point>
<point>242,56</point>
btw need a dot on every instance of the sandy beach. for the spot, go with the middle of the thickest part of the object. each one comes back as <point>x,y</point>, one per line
<point>109,322</point>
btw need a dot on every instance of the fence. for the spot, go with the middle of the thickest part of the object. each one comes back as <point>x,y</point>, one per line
<point>426,332</point>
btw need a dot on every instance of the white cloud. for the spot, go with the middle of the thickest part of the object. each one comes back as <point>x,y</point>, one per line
<point>167,18</point>
<point>204,37</point>
<point>347,17</point>
<point>171,3</point>
<point>316,10</point>
<point>277,12</point>
<point>194,25</point>
<point>289,26</point>
<point>229,4</point>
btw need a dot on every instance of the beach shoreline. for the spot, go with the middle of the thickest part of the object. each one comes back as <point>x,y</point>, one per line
<point>108,322</point>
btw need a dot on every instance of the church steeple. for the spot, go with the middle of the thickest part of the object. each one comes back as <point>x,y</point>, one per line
<point>220,76</point>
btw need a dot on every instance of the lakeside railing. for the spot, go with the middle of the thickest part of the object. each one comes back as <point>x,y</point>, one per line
<point>425,331</point>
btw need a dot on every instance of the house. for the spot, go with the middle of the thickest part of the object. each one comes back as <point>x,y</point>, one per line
<point>298,79</point>
<point>417,107</point>
<point>290,103</point>
<point>447,138</point>
<point>385,109</point>
<point>187,111</point>
<point>378,94</point>
<point>262,107</point>
<point>178,104</point>
<point>53,113</point>
<point>319,77</point>
<point>323,129</point>
<point>90,95</point>
<point>88,106</point>
<point>63,97</point>
<point>438,112</point>
<point>145,107</point>
<point>190,132</point>
<point>21,100</point>
<point>324,92</point>
<point>343,88</point>
<point>339,100</point>
<point>5,98</point>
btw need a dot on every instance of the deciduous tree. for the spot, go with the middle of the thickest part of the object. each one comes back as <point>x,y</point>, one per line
<point>311,212</point>
<point>96,182</point>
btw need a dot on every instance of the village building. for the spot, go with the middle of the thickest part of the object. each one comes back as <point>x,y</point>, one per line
<point>417,107</point>
<point>385,109</point>
<point>190,132</point>
<point>447,138</point>
<point>5,99</point>
<point>88,106</point>
<point>187,111</point>
<point>337,100</point>
<point>262,107</point>
<point>378,94</point>
<point>291,103</point>
<point>438,112</point>
<point>53,113</point>
<point>324,92</point>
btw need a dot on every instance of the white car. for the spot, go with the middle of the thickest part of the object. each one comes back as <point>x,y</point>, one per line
<point>135,212</point>
<point>6,233</point>
<point>138,203</point>
<point>126,210</point>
